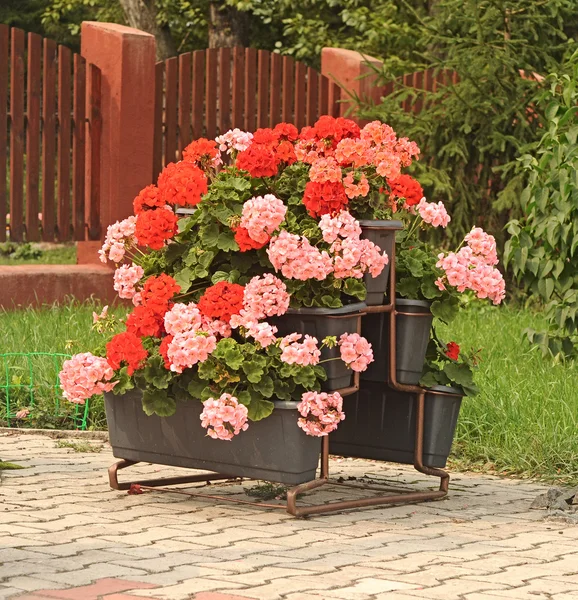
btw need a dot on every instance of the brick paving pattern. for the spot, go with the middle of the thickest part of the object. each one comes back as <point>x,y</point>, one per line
<point>64,535</point>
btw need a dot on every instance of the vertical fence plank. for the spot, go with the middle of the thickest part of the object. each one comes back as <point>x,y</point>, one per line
<point>288,87</point>
<point>95,131</point>
<point>323,95</point>
<point>408,82</point>
<point>158,135</point>
<point>419,85</point>
<point>48,139</point>
<point>300,100</point>
<point>312,96</point>
<point>263,88</point>
<point>64,109</point>
<point>171,66</point>
<point>275,95</point>
<point>17,135</point>
<point>4,47</point>
<point>184,100</point>
<point>224,90</point>
<point>238,87</point>
<point>334,107</point>
<point>211,110</point>
<point>33,91</point>
<point>250,87</point>
<point>198,92</point>
<point>78,147</point>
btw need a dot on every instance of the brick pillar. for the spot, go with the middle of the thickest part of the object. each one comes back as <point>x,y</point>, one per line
<point>126,58</point>
<point>354,73</point>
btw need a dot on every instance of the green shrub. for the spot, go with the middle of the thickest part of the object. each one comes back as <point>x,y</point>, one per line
<point>543,250</point>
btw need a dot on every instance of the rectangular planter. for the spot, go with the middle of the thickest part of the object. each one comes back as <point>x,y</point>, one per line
<point>274,449</point>
<point>380,424</point>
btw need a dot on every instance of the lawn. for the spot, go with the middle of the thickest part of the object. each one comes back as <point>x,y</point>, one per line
<point>34,254</point>
<point>524,421</point>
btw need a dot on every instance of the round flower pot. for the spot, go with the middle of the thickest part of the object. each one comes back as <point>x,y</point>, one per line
<point>381,233</point>
<point>274,449</point>
<point>380,424</point>
<point>413,326</point>
<point>320,323</point>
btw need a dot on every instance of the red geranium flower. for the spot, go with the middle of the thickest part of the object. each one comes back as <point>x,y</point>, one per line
<point>154,227</point>
<point>259,159</point>
<point>406,187</point>
<point>452,351</point>
<point>158,291</point>
<point>126,348</point>
<point>182,183</point>
<point>265,136</point>
<point>324,198</point>
<point>201,152</point>
<point>145,321</point>
<point>222,300</point>
<point>285,152</point>
<point>246,242</point>
<point>148,198</point>
<point>287,131</point>
<point>328,127</point>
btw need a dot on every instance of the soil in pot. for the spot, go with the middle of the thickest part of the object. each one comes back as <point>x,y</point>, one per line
<point>380,424</point>
<point>273,449</point>
<point>320,323</point>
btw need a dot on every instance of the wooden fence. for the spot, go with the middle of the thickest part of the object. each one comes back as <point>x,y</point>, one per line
<point>49,140</point>
<point>207,92</point>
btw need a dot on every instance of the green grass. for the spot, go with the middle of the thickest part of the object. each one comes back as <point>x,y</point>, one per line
<point>57,254</point>
<point>525,420</point>
<point>54,329</point>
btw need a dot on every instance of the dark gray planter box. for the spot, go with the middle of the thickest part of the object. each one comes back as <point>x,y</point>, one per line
<point>380,424</point>
<point>320,323</point>
<point>274,449</point>
<point>381,233</point>
<point>412,338</point>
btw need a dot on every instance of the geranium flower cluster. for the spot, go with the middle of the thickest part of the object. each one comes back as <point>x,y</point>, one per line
<point>224,417</point>
<point>85,375</point>
<point>125,279</point>
<point>119,237</point>
<point>434,214</point>
<point>268,150</point>
<point>261,216</point>
<point>356,351</point>
<point>300,353</point>
<point>234,140</point>
<point>320,413</point>
<point>472,267</point>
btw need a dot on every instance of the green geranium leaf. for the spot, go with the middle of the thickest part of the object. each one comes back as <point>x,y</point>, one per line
<point>226,241</point>
<point>306,377</point>
<point>429,380</point>
<point>459,373</point>
<point>156,374</point>
<point>355,287</point>
<point>445,310</point>
<point>195,388</point>
<point>265,386</point>
<point>430,290</point>
<point>331,301</point>
<point>158,402</point>
<point>206,258</point>
<point>259,408</point>
<point>408,288</point>
<point>184,279</point>
<point>219,276</point>
<point>244,397</point>
<point>229,352</point>
<point>255,368</point>
<point>209,235</point>
<point>125,382</point>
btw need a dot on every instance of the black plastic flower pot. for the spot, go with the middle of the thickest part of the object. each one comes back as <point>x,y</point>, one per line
<point>413,327</point>
<point>381,233</point>
<point>274,449</point>
<point>380,424</point>
<point>321,323</point>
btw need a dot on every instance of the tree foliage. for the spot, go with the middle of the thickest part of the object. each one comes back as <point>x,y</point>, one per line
<point>543,249</point>
<point>472,129</point>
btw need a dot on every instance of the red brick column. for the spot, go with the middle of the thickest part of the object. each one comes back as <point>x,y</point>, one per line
<point>354,72</point>
<point>126,58</point>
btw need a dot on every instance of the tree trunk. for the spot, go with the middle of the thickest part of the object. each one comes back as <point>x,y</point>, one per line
<point>141,14</point>
<point>228,26</point>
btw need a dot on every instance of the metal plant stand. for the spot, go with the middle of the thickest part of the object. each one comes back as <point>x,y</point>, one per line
<point>293,493</point>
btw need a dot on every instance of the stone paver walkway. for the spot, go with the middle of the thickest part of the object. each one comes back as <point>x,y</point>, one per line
<point>65,535</point>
